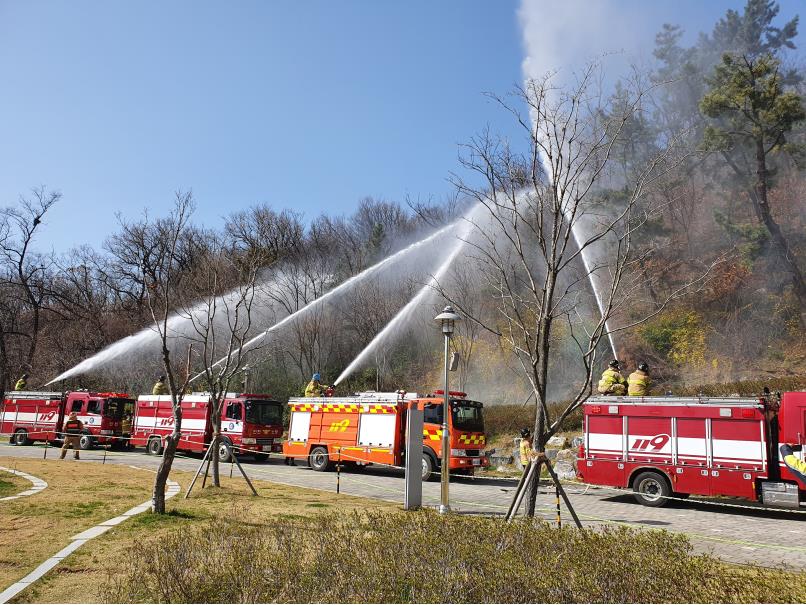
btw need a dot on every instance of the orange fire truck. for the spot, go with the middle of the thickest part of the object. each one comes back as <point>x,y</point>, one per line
<point>369,428</point>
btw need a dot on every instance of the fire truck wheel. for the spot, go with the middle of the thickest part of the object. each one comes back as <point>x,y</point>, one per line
<point>318,459</point>
<point>154,446</point>
<point>651,489</point>
<point>225,451</point>
<point>21,437</point>
<point>428,468</point>
<point>86,442</point>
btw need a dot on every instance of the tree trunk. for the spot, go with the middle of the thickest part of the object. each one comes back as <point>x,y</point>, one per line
<point>158,495</point>
<point>765,216</point>
<point>214,455</point>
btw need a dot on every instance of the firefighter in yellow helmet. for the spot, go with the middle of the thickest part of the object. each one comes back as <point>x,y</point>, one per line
<point>72,435</point>
<point>160,388</point>
<point>22,383</point>
<point>612,382</point>
<point>795,465</point>
<point>638,382</point>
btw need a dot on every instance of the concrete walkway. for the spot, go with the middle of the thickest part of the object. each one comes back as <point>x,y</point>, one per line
<point>78,540</point>
<point>39,484</point>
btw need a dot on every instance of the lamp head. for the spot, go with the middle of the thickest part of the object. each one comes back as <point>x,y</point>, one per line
<point>447,320</point>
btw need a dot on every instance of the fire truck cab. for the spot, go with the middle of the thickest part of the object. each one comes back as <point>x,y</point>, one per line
<point>369,428</point>
<point>30,416</point>
<point>251,424</point>
<point>677,446</point>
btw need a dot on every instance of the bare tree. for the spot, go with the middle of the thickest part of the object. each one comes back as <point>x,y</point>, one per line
<point>25,281</point>
<point>221,314</point>
<point>161,249</point>
<point>549,216</point>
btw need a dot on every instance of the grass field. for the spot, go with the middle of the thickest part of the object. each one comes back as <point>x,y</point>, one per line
<point>78,578</point>
<point>11,484</point>
<point>78,496</point>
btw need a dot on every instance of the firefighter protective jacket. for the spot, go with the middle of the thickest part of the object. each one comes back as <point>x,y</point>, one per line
<point>314,389</point>
<point>612,383</point>
<point>638,384</point>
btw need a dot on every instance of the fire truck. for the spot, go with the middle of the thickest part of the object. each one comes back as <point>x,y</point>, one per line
<point>29,416</point>
<point>678,446</point>
<point>251,424</point>
<point>369,428</point>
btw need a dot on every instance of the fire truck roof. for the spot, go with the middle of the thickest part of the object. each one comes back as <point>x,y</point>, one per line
<point>676,401</point>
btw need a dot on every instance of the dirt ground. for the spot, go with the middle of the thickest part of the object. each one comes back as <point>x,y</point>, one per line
<point>78,578</point>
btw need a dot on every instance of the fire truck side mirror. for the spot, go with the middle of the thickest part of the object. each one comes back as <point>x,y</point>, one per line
<point>454,362</point>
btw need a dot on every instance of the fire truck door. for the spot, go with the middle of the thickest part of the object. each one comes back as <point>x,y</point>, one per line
<point>692,474</point>
<point>300,427</point>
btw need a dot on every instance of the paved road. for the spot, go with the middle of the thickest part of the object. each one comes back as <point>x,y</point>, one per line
<point>739,535</point>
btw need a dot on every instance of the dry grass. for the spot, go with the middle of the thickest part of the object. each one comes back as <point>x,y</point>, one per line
<point>80,576</point>
<point>78,496</point>
<point>426,558</point>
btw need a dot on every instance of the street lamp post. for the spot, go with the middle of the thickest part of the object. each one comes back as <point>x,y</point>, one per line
<point>447,320</point>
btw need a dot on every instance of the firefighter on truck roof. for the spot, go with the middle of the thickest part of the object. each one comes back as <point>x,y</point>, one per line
<point>612,382</point>
<point>315,388</point>
<point>160,388</point>
<point>638,382</point>
<point>22,383</point>
<point>72,435</point>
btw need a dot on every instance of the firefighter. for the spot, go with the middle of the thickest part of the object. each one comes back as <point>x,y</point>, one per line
<point>793,463</point>
<point>160,388</point>
<point>612,382</point>
<point>638,382</point>
<point>315,388</point>
<point>525,449</point>
<point>126,428</point>
<point>72,435</point>
<point>22,383</point>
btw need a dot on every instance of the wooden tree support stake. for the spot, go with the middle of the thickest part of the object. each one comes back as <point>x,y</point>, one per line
<point>198,471</point>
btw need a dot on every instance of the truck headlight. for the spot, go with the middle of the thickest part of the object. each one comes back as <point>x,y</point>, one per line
<point>458,453</point>
<point>248,441</point>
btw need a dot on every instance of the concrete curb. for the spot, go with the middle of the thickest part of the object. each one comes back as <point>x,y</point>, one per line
<point>39,484</point>
<point>78,540</point>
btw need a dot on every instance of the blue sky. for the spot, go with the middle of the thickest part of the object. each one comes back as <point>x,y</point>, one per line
<point>309,105</point>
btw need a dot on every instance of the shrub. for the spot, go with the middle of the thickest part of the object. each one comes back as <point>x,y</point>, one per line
<point>677,335</point>
<point>422,557</point>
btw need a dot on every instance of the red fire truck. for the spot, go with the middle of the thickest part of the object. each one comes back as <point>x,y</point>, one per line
<point>370,428</point>
<point>677,446</point>
<point>251,424</point>
<point>29,416</point>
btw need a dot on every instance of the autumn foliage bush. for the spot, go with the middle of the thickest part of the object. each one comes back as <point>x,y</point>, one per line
<point>426,558</point>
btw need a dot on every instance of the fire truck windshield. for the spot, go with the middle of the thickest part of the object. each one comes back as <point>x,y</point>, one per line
<point>467,415</point>
<point>114,407</point>
<point>264,412</point>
